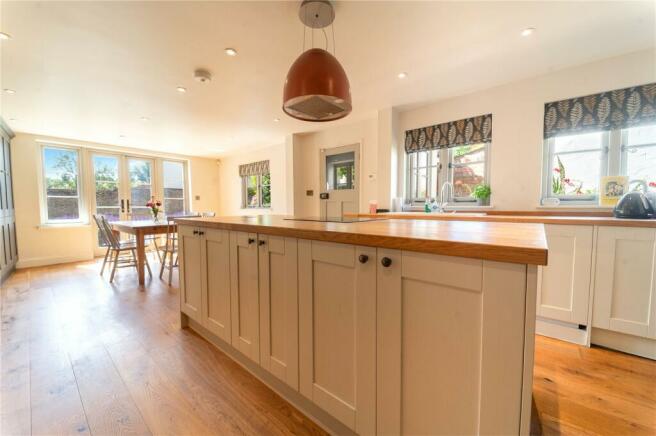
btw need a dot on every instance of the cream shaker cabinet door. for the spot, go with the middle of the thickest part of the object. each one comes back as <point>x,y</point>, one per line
<point>450,344</point>
<point>244,295</point>
<point>624,284</point>
<point>215,253</point>
<point>279,307</point>
<point>337,330</point>
<point>190,261</point>
<point>564,285</point>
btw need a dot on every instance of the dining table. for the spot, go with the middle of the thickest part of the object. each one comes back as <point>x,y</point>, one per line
<point>141,229</point>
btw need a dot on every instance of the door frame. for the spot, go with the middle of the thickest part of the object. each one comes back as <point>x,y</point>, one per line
<point>323,154</point>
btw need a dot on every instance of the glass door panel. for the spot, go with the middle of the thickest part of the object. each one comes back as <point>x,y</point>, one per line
<point>106,175</point>
<point>141,187</point>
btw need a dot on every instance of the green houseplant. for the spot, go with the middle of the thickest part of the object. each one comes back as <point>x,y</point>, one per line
<point>482,194</point>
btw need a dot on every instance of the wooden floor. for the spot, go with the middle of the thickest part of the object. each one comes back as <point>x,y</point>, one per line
<point>82,356</point>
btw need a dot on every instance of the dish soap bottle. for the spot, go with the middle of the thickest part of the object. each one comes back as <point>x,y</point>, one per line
<point>427,206</point>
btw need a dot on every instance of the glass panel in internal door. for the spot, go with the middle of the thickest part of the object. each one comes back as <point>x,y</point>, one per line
<point>141,191</point>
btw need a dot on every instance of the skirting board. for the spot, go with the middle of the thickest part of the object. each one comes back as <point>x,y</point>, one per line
<point>561,330</point>
<point>309,409</point>
<point>643,347</point>
<point>45,261</point>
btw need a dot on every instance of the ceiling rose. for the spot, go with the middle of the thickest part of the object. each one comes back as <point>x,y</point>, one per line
<point>317,88</point>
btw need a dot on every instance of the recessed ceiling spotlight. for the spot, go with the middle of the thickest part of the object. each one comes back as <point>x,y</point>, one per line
<point>231,51</point>
<point>181,89</point>
<point>528,31</point>
<point>10,91</point>
<point>276,120</point>
<point>145,119</point>
<point>402,75</point>
<point>4,35</point>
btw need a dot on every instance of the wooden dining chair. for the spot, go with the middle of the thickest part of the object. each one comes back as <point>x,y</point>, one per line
<point>121,253</point>
<point>171,245</point>
<point>103,239</point>
<point>148,239</point>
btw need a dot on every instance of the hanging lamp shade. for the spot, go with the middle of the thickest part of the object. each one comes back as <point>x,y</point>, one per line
<point>317,88</point>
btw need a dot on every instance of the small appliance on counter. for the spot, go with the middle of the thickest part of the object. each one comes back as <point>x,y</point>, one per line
<point>635,204</point>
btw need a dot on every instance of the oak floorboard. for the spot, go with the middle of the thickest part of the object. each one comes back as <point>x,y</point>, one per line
<point>80,355</point>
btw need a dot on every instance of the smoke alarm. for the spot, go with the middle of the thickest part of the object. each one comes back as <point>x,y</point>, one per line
<point>202,76</point>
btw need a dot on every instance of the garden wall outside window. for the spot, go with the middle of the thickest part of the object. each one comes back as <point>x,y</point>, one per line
<point>607,134</point>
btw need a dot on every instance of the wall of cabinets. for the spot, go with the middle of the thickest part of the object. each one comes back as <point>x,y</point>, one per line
<point>8,248</point>
<point>600,277</point>
<point>382,341</point>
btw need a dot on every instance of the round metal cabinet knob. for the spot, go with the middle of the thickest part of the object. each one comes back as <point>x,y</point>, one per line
<point>251,240</point>
<point>386,262</point>
<point>363,258</point>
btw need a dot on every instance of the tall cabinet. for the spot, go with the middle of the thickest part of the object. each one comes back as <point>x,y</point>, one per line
<point>8,247</point>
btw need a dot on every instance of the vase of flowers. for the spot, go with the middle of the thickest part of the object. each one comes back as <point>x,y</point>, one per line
<point>154,206</point>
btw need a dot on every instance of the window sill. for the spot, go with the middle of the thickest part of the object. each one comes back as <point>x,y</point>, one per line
<point>463,208</point>
<point>256,208</point>
<point>50,226</point>
<point>573,206</point>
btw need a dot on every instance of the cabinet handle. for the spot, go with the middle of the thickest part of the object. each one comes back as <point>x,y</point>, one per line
<point>363,258</point>
<point>250,241</point>
<point>201,233</point>
<point>386,262</point>
<point>196,232</point>
<point>261,242</point>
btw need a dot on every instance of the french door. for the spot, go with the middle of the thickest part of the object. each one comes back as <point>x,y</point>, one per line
<point>122,186</point>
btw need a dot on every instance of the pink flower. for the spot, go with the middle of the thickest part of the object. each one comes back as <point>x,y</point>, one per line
<point>557,169</point>
<point>652,184</point>
<point>567,180</point>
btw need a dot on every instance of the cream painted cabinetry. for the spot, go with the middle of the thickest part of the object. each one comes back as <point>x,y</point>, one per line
<point>564,285</point>
<point>190,272</point>
<point>278,272</point>
<point>451,339</point>
<point>337,331</point>
<point>244,293</point>
<point>625,282</point>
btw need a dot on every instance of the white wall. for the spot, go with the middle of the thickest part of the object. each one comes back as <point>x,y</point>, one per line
<point>517,119</point>
<point>44,245</point>
<point>230,182</point>
<point>306,163</point>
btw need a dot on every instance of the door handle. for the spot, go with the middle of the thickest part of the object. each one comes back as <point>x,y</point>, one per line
<point>128,202</point>
<point>122,205</point>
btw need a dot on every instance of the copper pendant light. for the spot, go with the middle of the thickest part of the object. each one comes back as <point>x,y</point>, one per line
<point>317,88</point>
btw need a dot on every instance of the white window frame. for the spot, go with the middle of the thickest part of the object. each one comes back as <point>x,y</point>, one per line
<point>244,192</point>
<point>445,155</point>
<point>83,215</point>
<point>452,166</point>
<point>185,181</point>
<point>613,163</point>
<point>413,173</point>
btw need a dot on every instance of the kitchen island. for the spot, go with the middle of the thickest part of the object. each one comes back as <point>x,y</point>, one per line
<point>375,327</point>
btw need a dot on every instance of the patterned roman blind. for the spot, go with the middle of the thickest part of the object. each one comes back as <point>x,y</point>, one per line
<point>604,111</point>
<point>254,168</point>
<point>472,130</point>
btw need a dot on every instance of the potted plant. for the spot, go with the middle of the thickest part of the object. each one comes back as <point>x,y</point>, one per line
<point>482,194</point>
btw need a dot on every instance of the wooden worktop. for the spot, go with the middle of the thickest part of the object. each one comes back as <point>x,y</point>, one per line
<point>523,243</point>
<point>509,218</point>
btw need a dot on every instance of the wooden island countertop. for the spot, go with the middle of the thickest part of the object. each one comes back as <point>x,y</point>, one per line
<point>523,243</point>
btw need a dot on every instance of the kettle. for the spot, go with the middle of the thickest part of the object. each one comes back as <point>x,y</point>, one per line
<point>634,205</point>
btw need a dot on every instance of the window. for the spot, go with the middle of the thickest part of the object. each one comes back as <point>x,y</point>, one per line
<point>61,171</point>
<point>467,168</point>
<point>173,175</point>
<point>574,164</point>
<point>256,191</point>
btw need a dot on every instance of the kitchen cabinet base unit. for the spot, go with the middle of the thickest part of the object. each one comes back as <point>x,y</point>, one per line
<point>562,330</point>
<point>643,347</point>
<point>322,418</point>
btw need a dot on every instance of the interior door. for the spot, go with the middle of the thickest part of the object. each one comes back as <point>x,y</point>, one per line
<point>340,176</point>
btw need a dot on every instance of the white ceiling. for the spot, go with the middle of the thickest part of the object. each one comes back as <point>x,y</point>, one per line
<point>91,70</point>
